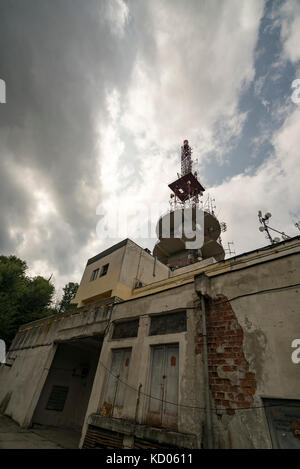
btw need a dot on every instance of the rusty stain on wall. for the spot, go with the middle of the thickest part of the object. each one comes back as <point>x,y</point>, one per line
<point>106,409</point>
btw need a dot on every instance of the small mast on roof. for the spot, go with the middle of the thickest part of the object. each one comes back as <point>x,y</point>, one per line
<point>187,187</point>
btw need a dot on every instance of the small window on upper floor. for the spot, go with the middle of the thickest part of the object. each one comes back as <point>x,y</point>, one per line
<point>169,323</point>
<point>104,270</point>
<point>125,329</point>
<point>94,274</point>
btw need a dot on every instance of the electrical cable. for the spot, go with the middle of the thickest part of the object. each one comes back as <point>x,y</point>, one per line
<point>259,292</point>
<point>197,407</point>
<point>223,408</point>
<point>217,409</point>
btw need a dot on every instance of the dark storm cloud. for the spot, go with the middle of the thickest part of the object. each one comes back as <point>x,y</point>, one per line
<point>58,59</point>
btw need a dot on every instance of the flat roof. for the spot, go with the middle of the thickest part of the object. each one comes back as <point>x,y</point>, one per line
<point>115,247</point>
<point>108,251</point>
<point>263,248</point>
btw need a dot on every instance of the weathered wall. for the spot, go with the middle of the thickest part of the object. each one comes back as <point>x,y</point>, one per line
<point>196,265</point>
<point>31,355</point>
<point>252,319</point>
<point>138,266</point>
<point>249,345</point>
<point>190,365</point>
<point>21,384</point>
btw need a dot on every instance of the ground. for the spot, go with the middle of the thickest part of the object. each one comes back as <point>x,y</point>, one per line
<point>38,437</point>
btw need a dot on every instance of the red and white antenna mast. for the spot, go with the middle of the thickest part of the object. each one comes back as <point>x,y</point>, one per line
<point>186,188</point>
<point>186,158</point>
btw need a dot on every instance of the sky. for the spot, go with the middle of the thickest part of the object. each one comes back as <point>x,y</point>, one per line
<point>100,95</point>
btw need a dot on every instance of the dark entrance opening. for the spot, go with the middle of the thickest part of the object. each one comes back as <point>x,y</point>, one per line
<point>64,399</point>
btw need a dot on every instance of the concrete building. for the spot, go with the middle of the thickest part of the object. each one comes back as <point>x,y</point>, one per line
<point>193,357</point>
<point>179,349</point>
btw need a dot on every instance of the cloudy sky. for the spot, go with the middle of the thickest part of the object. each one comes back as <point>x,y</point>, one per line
<point>99,97</point>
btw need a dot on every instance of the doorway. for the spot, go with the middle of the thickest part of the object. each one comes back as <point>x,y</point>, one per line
<point>64,399</point>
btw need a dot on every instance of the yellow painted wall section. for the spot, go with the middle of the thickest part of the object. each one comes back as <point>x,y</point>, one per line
<point>88,288</point>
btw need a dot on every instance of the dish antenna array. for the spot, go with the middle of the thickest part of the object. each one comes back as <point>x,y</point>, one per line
<point>264,221</point>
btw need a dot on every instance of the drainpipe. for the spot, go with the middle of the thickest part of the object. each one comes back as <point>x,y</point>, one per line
<point>206,379</point>
<point>154,266</point>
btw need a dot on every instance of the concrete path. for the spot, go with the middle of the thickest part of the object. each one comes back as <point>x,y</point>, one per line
<point>38,437</point>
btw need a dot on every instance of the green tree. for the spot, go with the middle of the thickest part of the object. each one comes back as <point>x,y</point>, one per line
<point>69,290</point>
<point>22,299</point>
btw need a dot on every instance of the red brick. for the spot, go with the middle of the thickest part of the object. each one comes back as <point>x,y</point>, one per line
<point>225,403</point>
<point>250,376</point>
<point>249,391</point>
<point>247,383</point>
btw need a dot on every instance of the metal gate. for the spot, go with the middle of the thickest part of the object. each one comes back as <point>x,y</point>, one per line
<point>163,408</point>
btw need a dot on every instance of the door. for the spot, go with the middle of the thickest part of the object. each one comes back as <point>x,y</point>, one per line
<point>163,403</point>
<point>116,384</point>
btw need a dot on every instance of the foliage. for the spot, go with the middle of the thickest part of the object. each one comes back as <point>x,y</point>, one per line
<point>69,290</point>
<point>22,299</point>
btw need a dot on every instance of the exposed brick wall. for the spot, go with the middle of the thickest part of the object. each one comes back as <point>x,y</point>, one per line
<point>231,383</point>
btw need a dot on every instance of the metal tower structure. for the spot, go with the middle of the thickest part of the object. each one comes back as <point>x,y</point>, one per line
<point>186,194</point>
<point>187,188</point>
<point>186,158</point>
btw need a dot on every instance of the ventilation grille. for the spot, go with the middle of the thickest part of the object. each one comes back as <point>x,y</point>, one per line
<point>103,439</point>
<point>98,438</point>
<point>57,398</point>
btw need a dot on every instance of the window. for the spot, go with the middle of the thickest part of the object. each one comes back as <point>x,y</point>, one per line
<point>163,404</point>
<point>126,329</point>
<point>168,323</point>
<point>104,270</point>
<point>94,274</point>
<point>283,416</point>
<point>116,384</point>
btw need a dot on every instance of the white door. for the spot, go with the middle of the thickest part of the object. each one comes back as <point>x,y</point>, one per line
<point>163,404</point>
